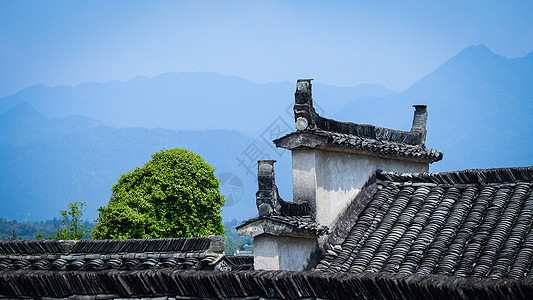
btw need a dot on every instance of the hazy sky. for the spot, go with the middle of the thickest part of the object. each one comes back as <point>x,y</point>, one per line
<point>342,43</point>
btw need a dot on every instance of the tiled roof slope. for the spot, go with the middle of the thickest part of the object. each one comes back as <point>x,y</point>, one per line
<point>258,284</point>
<point>314,131</point>
<point>183,253</point>
<point>473,223</point>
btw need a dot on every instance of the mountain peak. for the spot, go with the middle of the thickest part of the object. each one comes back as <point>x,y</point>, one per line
<point>473,59</point>
<point>471,70</point>
<point>476,52</point>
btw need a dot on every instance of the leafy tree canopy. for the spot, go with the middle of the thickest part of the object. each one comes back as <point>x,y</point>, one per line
<point>174,195</point>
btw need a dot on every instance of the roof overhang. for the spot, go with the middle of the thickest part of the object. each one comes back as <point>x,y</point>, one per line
<point>269,226</point>
<point>345,143</point>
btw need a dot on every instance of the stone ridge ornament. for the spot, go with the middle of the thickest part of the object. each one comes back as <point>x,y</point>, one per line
<point>301,123</point>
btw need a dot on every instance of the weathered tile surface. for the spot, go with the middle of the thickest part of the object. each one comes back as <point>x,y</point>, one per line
<point>472,224</point>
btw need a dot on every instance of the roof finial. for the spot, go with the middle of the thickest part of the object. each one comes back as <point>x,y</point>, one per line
<point>266,197</point>
<point>303,86</point>
<point>419,122</point>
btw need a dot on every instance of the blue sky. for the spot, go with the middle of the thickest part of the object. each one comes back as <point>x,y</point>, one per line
<point>343,43</point>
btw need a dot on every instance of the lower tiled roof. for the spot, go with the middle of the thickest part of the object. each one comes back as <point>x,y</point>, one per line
<point>181,253</point>
<point>105,246</point>
<point>474,223</point>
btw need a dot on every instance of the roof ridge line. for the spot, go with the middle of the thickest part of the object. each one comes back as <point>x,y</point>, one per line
<point>469,176</point>
<point>307,119</point>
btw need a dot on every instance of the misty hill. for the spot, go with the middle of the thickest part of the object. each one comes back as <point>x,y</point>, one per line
<point>180,101</point>
<point>480,110</point>
<point>23,124</point>
<point>81,163</point>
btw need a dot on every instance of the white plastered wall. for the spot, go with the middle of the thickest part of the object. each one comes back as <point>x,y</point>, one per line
<point>335,178</point>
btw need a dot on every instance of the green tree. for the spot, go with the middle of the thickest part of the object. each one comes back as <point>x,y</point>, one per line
<point>173,195</point>
<point>71,224</point>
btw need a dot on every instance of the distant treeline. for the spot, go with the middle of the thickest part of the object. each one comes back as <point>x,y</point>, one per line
<point>12,229</point>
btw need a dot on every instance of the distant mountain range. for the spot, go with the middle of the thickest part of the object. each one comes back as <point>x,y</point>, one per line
<point>180,101</point>
<point>66,144</point>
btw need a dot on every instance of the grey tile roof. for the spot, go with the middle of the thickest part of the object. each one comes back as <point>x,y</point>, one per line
<point>473,223</point>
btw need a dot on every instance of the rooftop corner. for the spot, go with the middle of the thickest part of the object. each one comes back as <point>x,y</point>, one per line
<point>314,131</point>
